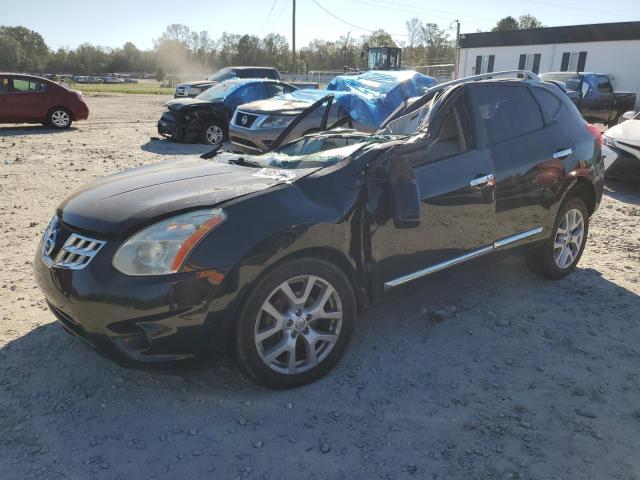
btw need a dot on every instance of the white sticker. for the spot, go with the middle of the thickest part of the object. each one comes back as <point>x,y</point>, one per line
<point>275,174</point>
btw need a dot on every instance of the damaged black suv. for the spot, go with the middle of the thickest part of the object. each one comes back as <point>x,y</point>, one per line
<point>271,256</point>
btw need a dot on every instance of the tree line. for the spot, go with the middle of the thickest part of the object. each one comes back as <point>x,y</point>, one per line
<point>181,50</point>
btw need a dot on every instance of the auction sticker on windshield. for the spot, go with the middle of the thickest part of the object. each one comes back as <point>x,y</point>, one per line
<point>276,174</point>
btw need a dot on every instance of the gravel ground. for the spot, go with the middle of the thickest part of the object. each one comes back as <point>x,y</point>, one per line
<point>485,371</point>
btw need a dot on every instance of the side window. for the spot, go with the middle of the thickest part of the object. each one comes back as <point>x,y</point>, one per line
<point>24,85</point>
<point>507,111</point>
<point>248,93</point>
<point>604,85</point>
<point>274,89</point>
<point>278,89</point>
<point>453,137</point>
<point>4,84</point>
<point>549,103</point>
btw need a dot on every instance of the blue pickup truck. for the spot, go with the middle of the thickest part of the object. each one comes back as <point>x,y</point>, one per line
<point>594,96</point>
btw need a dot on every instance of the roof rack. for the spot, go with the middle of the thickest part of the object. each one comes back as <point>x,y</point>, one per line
<point>515,74</point>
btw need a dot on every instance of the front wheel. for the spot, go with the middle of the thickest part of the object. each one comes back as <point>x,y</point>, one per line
<point>560,254</point>
<point>212,134</point>
<point>59,118</point>
<point>296,323</point>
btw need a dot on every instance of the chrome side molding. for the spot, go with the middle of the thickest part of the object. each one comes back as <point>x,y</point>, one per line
<point>480,181</point>
<point>563,153</point>
<point>461,259</point>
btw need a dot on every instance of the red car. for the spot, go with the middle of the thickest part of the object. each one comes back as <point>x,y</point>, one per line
<point>30,99</point>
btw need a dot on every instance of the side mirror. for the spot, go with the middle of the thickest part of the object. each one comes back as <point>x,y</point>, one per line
<point>405,194</point>
<point>629,115</point>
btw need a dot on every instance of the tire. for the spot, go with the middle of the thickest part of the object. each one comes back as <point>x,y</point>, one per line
<point>276,336</point>
<point>560,253</point>
<point>59,118</point>
<point>213,133</point>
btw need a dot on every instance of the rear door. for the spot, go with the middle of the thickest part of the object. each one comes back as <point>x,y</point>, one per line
<point>527,150</point>
<point>455,179</point>
<point>28,98</point>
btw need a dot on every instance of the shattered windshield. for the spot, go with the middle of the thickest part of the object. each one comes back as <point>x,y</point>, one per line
<point>218,92</point>
<point>308,152</point>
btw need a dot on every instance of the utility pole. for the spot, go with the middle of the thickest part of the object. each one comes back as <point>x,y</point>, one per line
<point>457,59</point>
<point>293,37</point>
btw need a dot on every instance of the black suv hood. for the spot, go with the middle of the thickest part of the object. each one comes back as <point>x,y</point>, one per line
<point>187,103</point>
<point>120,204</point>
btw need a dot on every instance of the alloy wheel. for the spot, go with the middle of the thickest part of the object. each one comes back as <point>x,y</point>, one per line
<point>60,118</point>
<point>569,238</point>
<point>214,135</point>
<point>298,324</point>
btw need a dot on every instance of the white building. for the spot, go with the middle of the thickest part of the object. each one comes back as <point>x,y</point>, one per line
<point>612,48</point>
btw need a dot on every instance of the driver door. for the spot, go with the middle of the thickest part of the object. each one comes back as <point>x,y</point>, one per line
<point>457,212</point>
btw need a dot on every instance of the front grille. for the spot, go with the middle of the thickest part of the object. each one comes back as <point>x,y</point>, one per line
<point>244,142</point>
<point>77,252</point>
<point>168,118</point>
<point>245,119</point>
<point>182,91</point>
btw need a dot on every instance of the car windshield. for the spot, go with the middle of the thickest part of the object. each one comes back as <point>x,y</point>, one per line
<point>221,75</point>
<point>311,152</point>
<point>218,92</point>
<point>571,80</point>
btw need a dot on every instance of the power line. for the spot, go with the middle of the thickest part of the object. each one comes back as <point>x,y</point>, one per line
<point>576,8</point>
<point>281,11</point>
<point>270,11</point>
<point>415,9</point>
<point>352,24</point>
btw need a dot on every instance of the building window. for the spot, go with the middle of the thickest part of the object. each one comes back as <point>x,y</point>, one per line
<point>530,62</point>
<point>573,61</point>
<point>484,64</point>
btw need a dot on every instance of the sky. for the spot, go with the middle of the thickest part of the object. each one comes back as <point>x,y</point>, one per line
<point>69,23</point>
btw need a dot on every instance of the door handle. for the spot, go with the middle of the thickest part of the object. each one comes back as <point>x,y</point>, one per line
<point>563,153</point>
<point>480,182</point>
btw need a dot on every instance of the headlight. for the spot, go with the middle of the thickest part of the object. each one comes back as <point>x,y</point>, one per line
<point>608,141</point>
<point>163,247</point>
<point>276,121</point>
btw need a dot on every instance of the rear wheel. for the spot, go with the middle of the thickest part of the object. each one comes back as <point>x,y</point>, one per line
<point>59,118</point>
<point>560,254</point>
<point>212,134</point>
<point>295,324</point>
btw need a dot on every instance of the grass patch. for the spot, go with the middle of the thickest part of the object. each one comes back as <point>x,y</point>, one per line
<point>150,88</point>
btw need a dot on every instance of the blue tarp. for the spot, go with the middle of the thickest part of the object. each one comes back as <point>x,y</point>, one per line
<point>378,93</point>
<point>371,96</point>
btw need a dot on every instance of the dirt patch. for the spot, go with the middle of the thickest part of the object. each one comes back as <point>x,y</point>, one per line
<point>485,371</point>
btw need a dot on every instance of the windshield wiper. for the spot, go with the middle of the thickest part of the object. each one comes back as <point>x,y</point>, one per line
<point>245,163</point>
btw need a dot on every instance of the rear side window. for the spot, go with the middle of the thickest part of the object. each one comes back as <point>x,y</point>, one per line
<point>507,111</point>
<point>265,73</point>
<point>604,85</point>
<point>278,89</point>
<point>24,85</point>
<point>549,103</point>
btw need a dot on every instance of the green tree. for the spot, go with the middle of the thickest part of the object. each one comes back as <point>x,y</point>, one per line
<point>528,21</point>
<point>505,24</point>
<point>29,52</point>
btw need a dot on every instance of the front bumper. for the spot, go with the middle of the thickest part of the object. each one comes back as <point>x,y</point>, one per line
<point>81,112</point>
<point>172,126</point>
<point>620,163</point>
<point>138,319</point>
<point>253,140</point>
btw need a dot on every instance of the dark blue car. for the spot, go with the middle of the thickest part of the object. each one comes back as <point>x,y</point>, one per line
<point>205,118</point>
